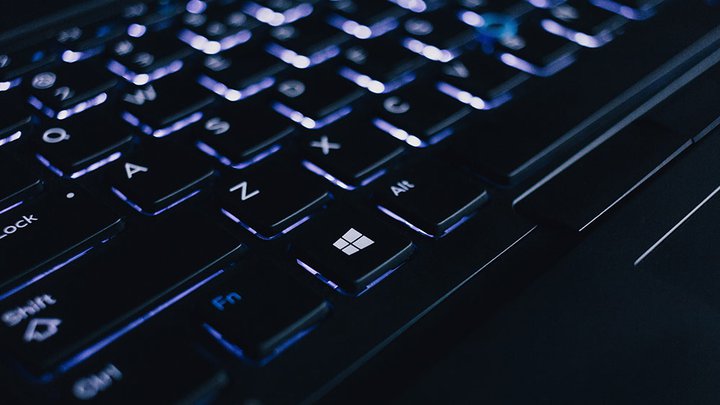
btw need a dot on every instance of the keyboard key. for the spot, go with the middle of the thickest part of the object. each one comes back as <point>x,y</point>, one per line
<point>256,311</point>
<point>351,251</point>
<point>240,73</point>
<point>479,80</point>
<point>432,199</point>
<point>364,19</point>
<point>164,371</point>
<point>16,63</point>
<point>220,27</point>
<point>166,106</point>
<point>83,309</point>
<point>578,196</point>
<point>278,12</point>
<point>55,228</point>
<point>18,186</point>
<point>71,89</point>
<point>315,98</point>
<point>419,116</point>
<point>581,22</point>
<point>351,153</point>
<point>83,42</point>
<point>536,51</point>
<point>148,58</point>
<point>15,120</point>
<point>229,136</point>
<point>82,144</point>
<point>306,43</point>
<point>419,6</point>
<point>437,36</point>
<point>380,65</point>
<point>271,199</point>
<point>155,179</point>
<point>632,9</point>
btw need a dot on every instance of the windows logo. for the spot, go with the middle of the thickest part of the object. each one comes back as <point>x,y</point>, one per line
<point>352,242</point>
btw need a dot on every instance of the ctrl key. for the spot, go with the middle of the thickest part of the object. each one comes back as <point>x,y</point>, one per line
<point>165,371</point>
<point>256,312</point>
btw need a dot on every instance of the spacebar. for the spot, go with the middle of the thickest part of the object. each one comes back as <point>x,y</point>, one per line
<point>57,322</point>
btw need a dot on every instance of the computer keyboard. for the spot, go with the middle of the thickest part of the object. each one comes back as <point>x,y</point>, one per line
<point>199,187</point>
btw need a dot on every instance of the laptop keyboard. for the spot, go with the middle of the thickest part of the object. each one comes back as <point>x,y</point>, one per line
<point>152,149</point>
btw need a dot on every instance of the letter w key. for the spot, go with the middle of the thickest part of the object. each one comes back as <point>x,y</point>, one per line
<point>243,187</point>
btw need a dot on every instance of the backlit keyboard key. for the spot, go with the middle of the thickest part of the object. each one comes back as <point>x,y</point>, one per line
<point>350,251</point>
<point>380,65</point>
<point>479,80</point>
<point>271,199</point>
<point>71,89</point>
<point>431,199</point>
<point>218,28</point>
<point>536,51</point>
<point>306,43</point>
<point>231,135</point>
<point>164,107</point>
<point>81,144</point>
<point>154,180</point>
<point>351,153</point>
<point>257,310</point>
<point>365,19</point>
<point>437,36</point>
<point>240,73</point>
<point>581,22</point>
<point>315,98</point>
<point>148,58</point>
<point>419,115</point>
<point>55,228</point>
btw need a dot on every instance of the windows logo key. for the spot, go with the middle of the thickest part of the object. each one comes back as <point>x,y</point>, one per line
<point>352,242</point>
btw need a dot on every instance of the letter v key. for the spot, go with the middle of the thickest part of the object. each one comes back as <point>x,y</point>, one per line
<point>244,191</point>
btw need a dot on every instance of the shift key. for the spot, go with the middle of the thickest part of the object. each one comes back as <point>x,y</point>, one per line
<point>39,235</point>
<point>56,323</point>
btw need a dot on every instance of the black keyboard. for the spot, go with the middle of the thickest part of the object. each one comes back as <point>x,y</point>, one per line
<point>242,199</point>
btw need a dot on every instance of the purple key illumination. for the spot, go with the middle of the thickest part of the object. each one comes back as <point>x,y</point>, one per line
<point>162,132</point>
<point>231,94</point>
<point>308,122</point>
<point>90,351</point>
<point>140,79</point>
<point>588,41</point>
<point>256,233</point>
<point>100,163</point>
<point>152,214</point>
<point>301,61</point>
<point>10,138</point>
<point>274,18</point>
<point>210,47</point>
<point>467,98</point>
<point>236,165</point>
<point>77,108</point>
<point>361,31</point>
<point>375,86</point>
<point>336,287</point>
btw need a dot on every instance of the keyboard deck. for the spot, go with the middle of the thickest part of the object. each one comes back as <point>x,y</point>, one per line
<point>204,194</point>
